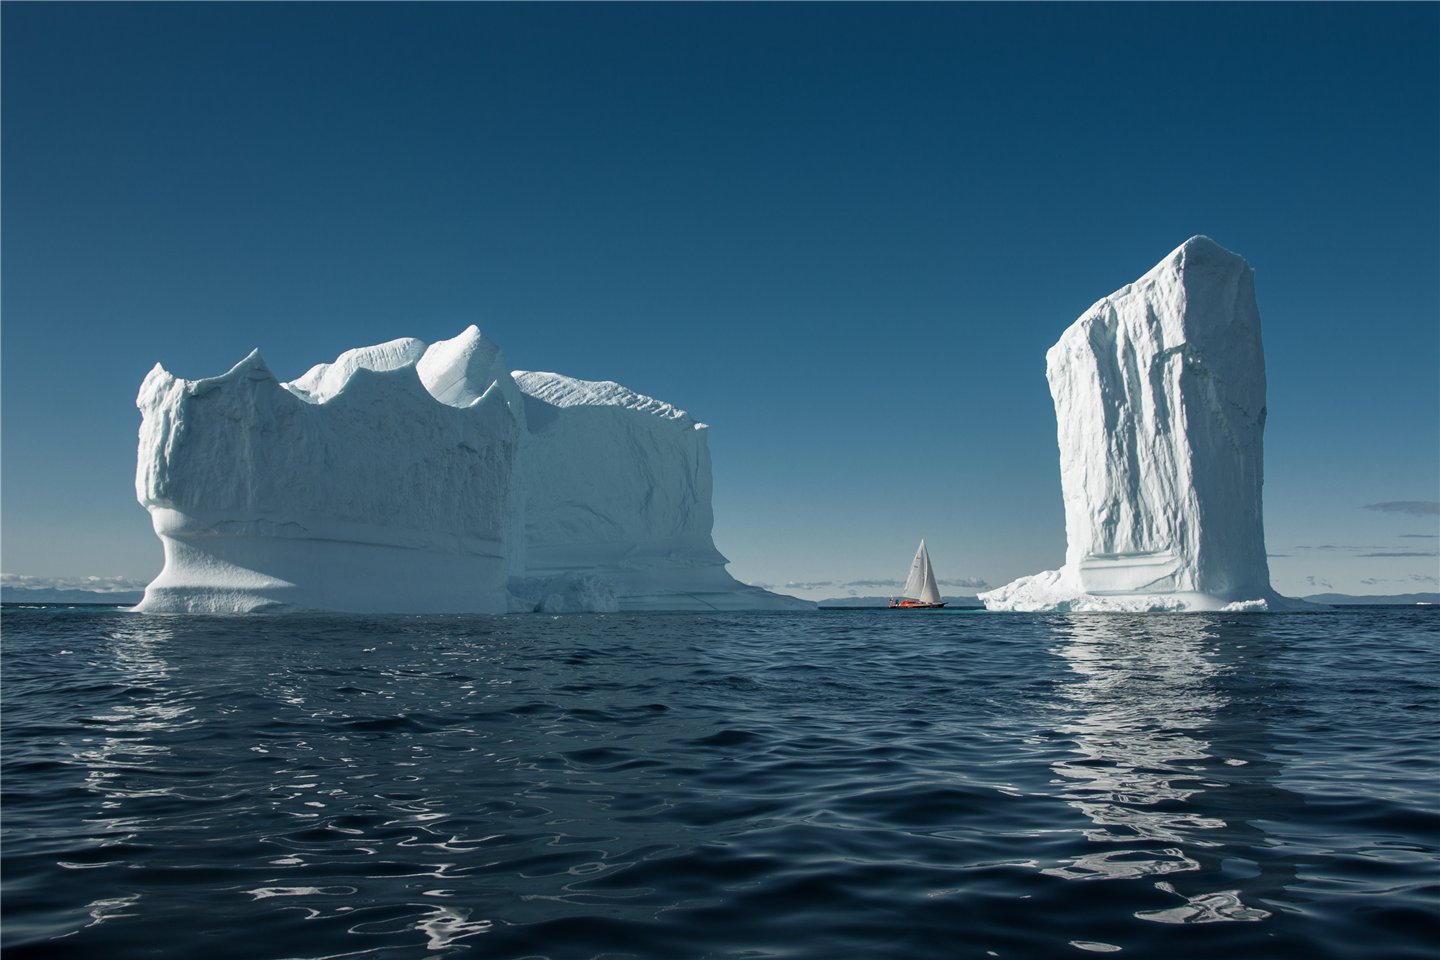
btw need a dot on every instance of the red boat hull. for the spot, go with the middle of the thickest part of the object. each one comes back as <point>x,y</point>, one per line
<point>914,605</point>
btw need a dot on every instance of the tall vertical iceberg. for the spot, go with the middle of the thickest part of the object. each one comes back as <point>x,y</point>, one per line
<point>1159,394</point>
<point>414,478</point>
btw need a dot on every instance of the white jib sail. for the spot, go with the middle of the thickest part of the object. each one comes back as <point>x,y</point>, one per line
<point>921,583</point>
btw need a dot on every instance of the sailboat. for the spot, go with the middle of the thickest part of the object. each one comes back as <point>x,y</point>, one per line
<point>921,593</point>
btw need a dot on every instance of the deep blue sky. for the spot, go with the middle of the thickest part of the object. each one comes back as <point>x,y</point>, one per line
<point>843,235</point>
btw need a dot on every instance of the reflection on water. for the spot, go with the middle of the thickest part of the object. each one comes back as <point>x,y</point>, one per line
<point>1144,722</point>
<point>118,762</point>
<point>132,743</point>
<point>659,786</point>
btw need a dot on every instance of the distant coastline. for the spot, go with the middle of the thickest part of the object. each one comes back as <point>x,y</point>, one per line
<point>866,602</point>
<point>1333,599</point>
<point>1397,599</point>
<point>126,598</point>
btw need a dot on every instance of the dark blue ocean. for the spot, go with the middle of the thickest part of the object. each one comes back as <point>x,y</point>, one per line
<point>848,784</point>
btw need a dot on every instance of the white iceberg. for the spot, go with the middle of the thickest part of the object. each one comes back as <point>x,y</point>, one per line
<point>350,489</point>
<point>404,478</point>
<point>616,485</point>
<point>1159,394</point>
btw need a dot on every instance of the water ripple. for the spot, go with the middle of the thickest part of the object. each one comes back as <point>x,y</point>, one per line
<point>834,785</point>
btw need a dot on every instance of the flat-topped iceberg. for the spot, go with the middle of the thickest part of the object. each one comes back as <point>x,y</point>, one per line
<point>409,478</point>
<point>1159,394</point>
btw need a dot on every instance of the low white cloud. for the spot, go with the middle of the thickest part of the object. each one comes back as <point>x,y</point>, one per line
<point>1416,508</point>
<point>1372,550</point>
<point>1411,579</point>
<point>854,587</point>
<point>24,581</point>
<point>877,583</point>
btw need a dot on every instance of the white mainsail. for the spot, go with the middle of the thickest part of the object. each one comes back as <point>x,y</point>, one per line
<point>921,583</point>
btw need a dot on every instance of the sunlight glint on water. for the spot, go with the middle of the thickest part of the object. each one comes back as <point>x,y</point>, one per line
<point>856,784</point>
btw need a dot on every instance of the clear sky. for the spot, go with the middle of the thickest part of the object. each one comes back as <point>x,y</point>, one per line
<point>842,235</point>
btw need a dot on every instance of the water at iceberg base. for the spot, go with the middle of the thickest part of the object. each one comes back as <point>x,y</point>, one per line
<point>837,784</point>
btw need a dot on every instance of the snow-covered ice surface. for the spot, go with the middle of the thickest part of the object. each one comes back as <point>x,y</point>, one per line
<point>1159,394</point>
<point>404,478</point>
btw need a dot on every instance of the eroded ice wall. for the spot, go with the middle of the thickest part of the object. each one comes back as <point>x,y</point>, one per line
<point>1159,394</point>
<point>352,488</point>
<point>617,486</point>
<point>410,478</point>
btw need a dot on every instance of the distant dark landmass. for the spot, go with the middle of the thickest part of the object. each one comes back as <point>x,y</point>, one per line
<point>126,598</point>
<point>1392,598</point>
<point>885,602</point>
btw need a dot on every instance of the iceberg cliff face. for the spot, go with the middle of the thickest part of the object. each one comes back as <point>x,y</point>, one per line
<point>405,478</point>
<point>617,485</point>
<point>1159,394</point>
<point>351,489</point>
